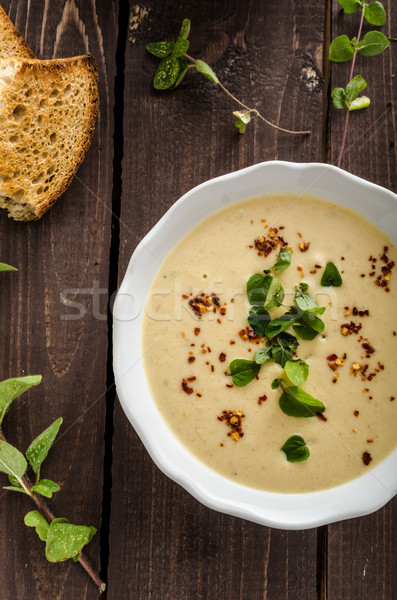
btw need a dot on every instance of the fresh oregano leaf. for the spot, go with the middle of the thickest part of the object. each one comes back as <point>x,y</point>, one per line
<point>263,355</point>
<point>264,291</point>
<point>206,70</point>
<point>46,487</point>
<point>296,449</point>
<point>341,49</point>
<point>65,540</point>
<point>35,519</point>
<point>166,74</point>
<point>375,13</point>
<point>278,325</point>
<point>160,49</point>
<point>295,402</point>
<point>275,384</point>
<point>374,42</point>
<point>305,303</point>
<point>183,67</point>
<point>350,6</point>
<point>4,267</point>
<point>258,319</point>
<point>283,260</point>
<point>359,103</point>
<point>354,88</point>
<point>10,389</point>
<point>185,30</point>
<point>243,371</point>
<point>243,118</point>
<point>339,99</point>
<point>297,371</point>
<point>331,276</point>
<point>180,48</point>
<point>283,347</point>
<point>38,449</point>
<point>12,462</point>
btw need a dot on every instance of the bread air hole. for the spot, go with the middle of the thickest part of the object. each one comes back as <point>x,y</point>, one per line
<point>19,112</point>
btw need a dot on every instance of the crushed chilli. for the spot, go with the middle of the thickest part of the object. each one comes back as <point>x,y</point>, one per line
<point>233,420</point>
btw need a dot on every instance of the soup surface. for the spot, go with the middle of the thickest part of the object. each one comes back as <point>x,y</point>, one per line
<point>195,325</point>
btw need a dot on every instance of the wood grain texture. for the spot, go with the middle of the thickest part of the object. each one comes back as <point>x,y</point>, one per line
<point>164,544</point>
<point>362,553</point>
<point>63,260</point>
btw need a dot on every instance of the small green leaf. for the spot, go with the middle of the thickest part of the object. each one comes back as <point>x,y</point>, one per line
<point>283,260</point>
<point>4,267</point>
<point>276,326</point>
<point>35,519</point>
<point>185,30</point>
<point>275,384</point>
<point>46,488</point>
<point>166,74</point>
<point>375,13</point>
<point>38,449</point>
<point>243,118</point>
<point>65,540</point>
<point>374,42</point>
<point>350,6</point>
<point>354,88</point>
<point>243,371</point>
<point>180,48</point>
<point>283,347</point>
<point>258,319</point>
<point>359,103</point>
<point>183,67</point>
<point>264,291</point>
<point>295,402</point>
<point>10,389</point>
<point>331,276</point>
<point>160,49</point>
<point>263,356</point>
<point>305,303</point>
<point>339,99</point>
<point>341,49</point>
<point>297,371</point>
<point>206,70</point>
<point>296,449</point>
<point>12,462</point>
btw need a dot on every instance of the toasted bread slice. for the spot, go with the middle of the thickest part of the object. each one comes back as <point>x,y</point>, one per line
<point>11,41</point>
<point>47,116</point>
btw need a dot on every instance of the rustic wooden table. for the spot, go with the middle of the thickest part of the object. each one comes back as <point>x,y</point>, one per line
<point>154,540</point>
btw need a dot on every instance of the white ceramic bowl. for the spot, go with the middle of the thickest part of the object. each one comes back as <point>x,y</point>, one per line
<point>286,511</point>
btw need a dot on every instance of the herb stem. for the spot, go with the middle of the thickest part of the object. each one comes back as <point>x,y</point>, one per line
<point>253,111</point>
<point>44,509</point>
<point>351,77</point>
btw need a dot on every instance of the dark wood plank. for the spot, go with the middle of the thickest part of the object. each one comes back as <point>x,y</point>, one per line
<point>362,553</point>
<point>65,254</point>
<point>163,543</point>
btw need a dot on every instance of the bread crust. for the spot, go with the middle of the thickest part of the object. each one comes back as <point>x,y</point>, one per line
<point>81,68</point>
<point>11,41</point>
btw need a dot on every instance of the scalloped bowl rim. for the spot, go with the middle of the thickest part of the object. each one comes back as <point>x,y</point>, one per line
<point>286,511</point>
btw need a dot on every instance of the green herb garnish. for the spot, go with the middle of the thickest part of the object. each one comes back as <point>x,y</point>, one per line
<point>331,276</point>
<point>296,449</point>
<point>295,402</point>
<point>4,267</point>
<point>283,260</point>
<point>243,371</point>
<point>297,371</point>
<point>264,291</point>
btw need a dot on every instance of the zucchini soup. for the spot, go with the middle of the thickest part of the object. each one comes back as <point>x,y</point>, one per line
<point>269,341</point>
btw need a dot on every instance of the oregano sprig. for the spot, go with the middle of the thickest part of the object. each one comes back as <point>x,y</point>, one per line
<point>175,63</point>
<point>63,539</point>
<point>343,49</point>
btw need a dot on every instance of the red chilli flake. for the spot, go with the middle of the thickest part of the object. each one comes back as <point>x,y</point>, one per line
<point>186,388</point>
<point>222,357</point>
<point>366,458</point>
<point>262,399</point>
<point>233,420</point>
<point>191,359</point>
<point>265,245</point>
<point>321,417</point>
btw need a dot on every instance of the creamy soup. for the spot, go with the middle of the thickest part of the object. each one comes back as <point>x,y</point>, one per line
<point>195,325</point>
